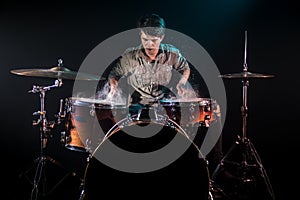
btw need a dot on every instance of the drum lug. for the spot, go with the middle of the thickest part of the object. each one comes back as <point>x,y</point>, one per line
<point>63,138</point>
<point>192,108</point>
<point>207,124</point>
<point>207,120</point>
<point>88,143</point>
<point>207,108</point>
<point>173,113</point>
<point>92,111</point>
<point>207,117</point>
<point>50,124</point>
<point>192,118</point>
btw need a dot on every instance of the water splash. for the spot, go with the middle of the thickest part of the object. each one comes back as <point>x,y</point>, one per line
<point>117,99</point>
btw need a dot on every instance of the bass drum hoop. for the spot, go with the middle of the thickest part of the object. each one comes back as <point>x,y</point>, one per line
<point>173,180</point>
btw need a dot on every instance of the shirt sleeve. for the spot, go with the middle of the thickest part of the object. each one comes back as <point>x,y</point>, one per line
<point>180,62</point>
<point>120,67</point>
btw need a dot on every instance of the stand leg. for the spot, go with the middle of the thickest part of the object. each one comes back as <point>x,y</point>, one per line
<point>39,179</point>
<point>262,170</point>
<point>82,195</point>
<point>216,192</point>
<point>82,191</point>
<point>242,173</point>
<point>43,178</point>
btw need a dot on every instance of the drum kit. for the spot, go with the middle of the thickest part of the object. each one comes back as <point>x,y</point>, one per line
<point>80,114</point>
<point>80,117</point>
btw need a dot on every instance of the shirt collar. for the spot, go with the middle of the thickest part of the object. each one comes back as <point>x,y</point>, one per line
<point>141,53</point>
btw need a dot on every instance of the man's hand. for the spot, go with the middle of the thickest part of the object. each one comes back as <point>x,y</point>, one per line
<point>111,94</point>
<point>113,88</point>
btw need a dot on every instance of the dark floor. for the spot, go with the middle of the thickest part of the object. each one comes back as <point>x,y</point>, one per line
<point>189,176</point>
<point>102,182</point>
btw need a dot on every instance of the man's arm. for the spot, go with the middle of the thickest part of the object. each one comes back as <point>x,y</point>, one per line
<point>181,84</point>
<point>113,83</point>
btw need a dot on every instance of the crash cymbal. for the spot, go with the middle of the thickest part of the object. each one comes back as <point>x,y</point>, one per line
<point>57,72</point>
<point>246,75</point>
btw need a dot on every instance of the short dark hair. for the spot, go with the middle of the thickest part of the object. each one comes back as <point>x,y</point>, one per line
<point>152,24</point>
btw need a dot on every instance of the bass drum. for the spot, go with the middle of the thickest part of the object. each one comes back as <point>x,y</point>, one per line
<point>187,177</point>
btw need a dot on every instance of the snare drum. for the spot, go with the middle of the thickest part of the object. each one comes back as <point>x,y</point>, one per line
<point>87,120</point>
<point>189,112</point>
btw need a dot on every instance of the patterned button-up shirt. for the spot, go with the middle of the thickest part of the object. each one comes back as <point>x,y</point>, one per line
<point>149,78</point>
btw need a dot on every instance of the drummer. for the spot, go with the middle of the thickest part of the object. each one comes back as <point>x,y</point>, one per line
<point>149,66</point>
<point>150,69</point>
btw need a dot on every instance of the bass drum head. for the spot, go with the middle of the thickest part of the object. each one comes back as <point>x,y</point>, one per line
<point>186,177</point>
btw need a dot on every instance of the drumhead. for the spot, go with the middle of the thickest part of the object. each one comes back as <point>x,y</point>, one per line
<point>104,102</point>
<point>186,100</point>
<point>186,177</point>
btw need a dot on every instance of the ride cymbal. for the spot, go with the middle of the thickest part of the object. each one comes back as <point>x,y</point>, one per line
<point>246,75</point>
<point>57,72</point>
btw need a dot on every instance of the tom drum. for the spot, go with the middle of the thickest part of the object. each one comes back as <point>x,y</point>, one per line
<point>87,120</point>
<point>189,112</point>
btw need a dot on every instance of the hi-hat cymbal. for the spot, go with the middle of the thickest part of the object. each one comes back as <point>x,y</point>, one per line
<point>58,72</point>
<point>246,75</point>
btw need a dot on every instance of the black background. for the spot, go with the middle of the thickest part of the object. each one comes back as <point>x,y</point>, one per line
<point>36,34</point>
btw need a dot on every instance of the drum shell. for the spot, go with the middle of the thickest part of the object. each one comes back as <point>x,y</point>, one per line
<point>198,112</point>
<point>87,122</point>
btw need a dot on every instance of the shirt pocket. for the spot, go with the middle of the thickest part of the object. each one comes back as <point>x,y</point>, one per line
<point>164,74</point>
<point>142,77</point>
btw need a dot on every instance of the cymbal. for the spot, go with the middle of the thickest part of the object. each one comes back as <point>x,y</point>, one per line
<point>58,72</point>
<point>246,75</point>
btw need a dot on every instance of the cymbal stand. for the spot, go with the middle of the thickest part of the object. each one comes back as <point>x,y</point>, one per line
<point>249,156</point>
<point>45,133</point>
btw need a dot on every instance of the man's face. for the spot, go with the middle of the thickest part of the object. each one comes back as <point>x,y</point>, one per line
<point>151,44</point>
